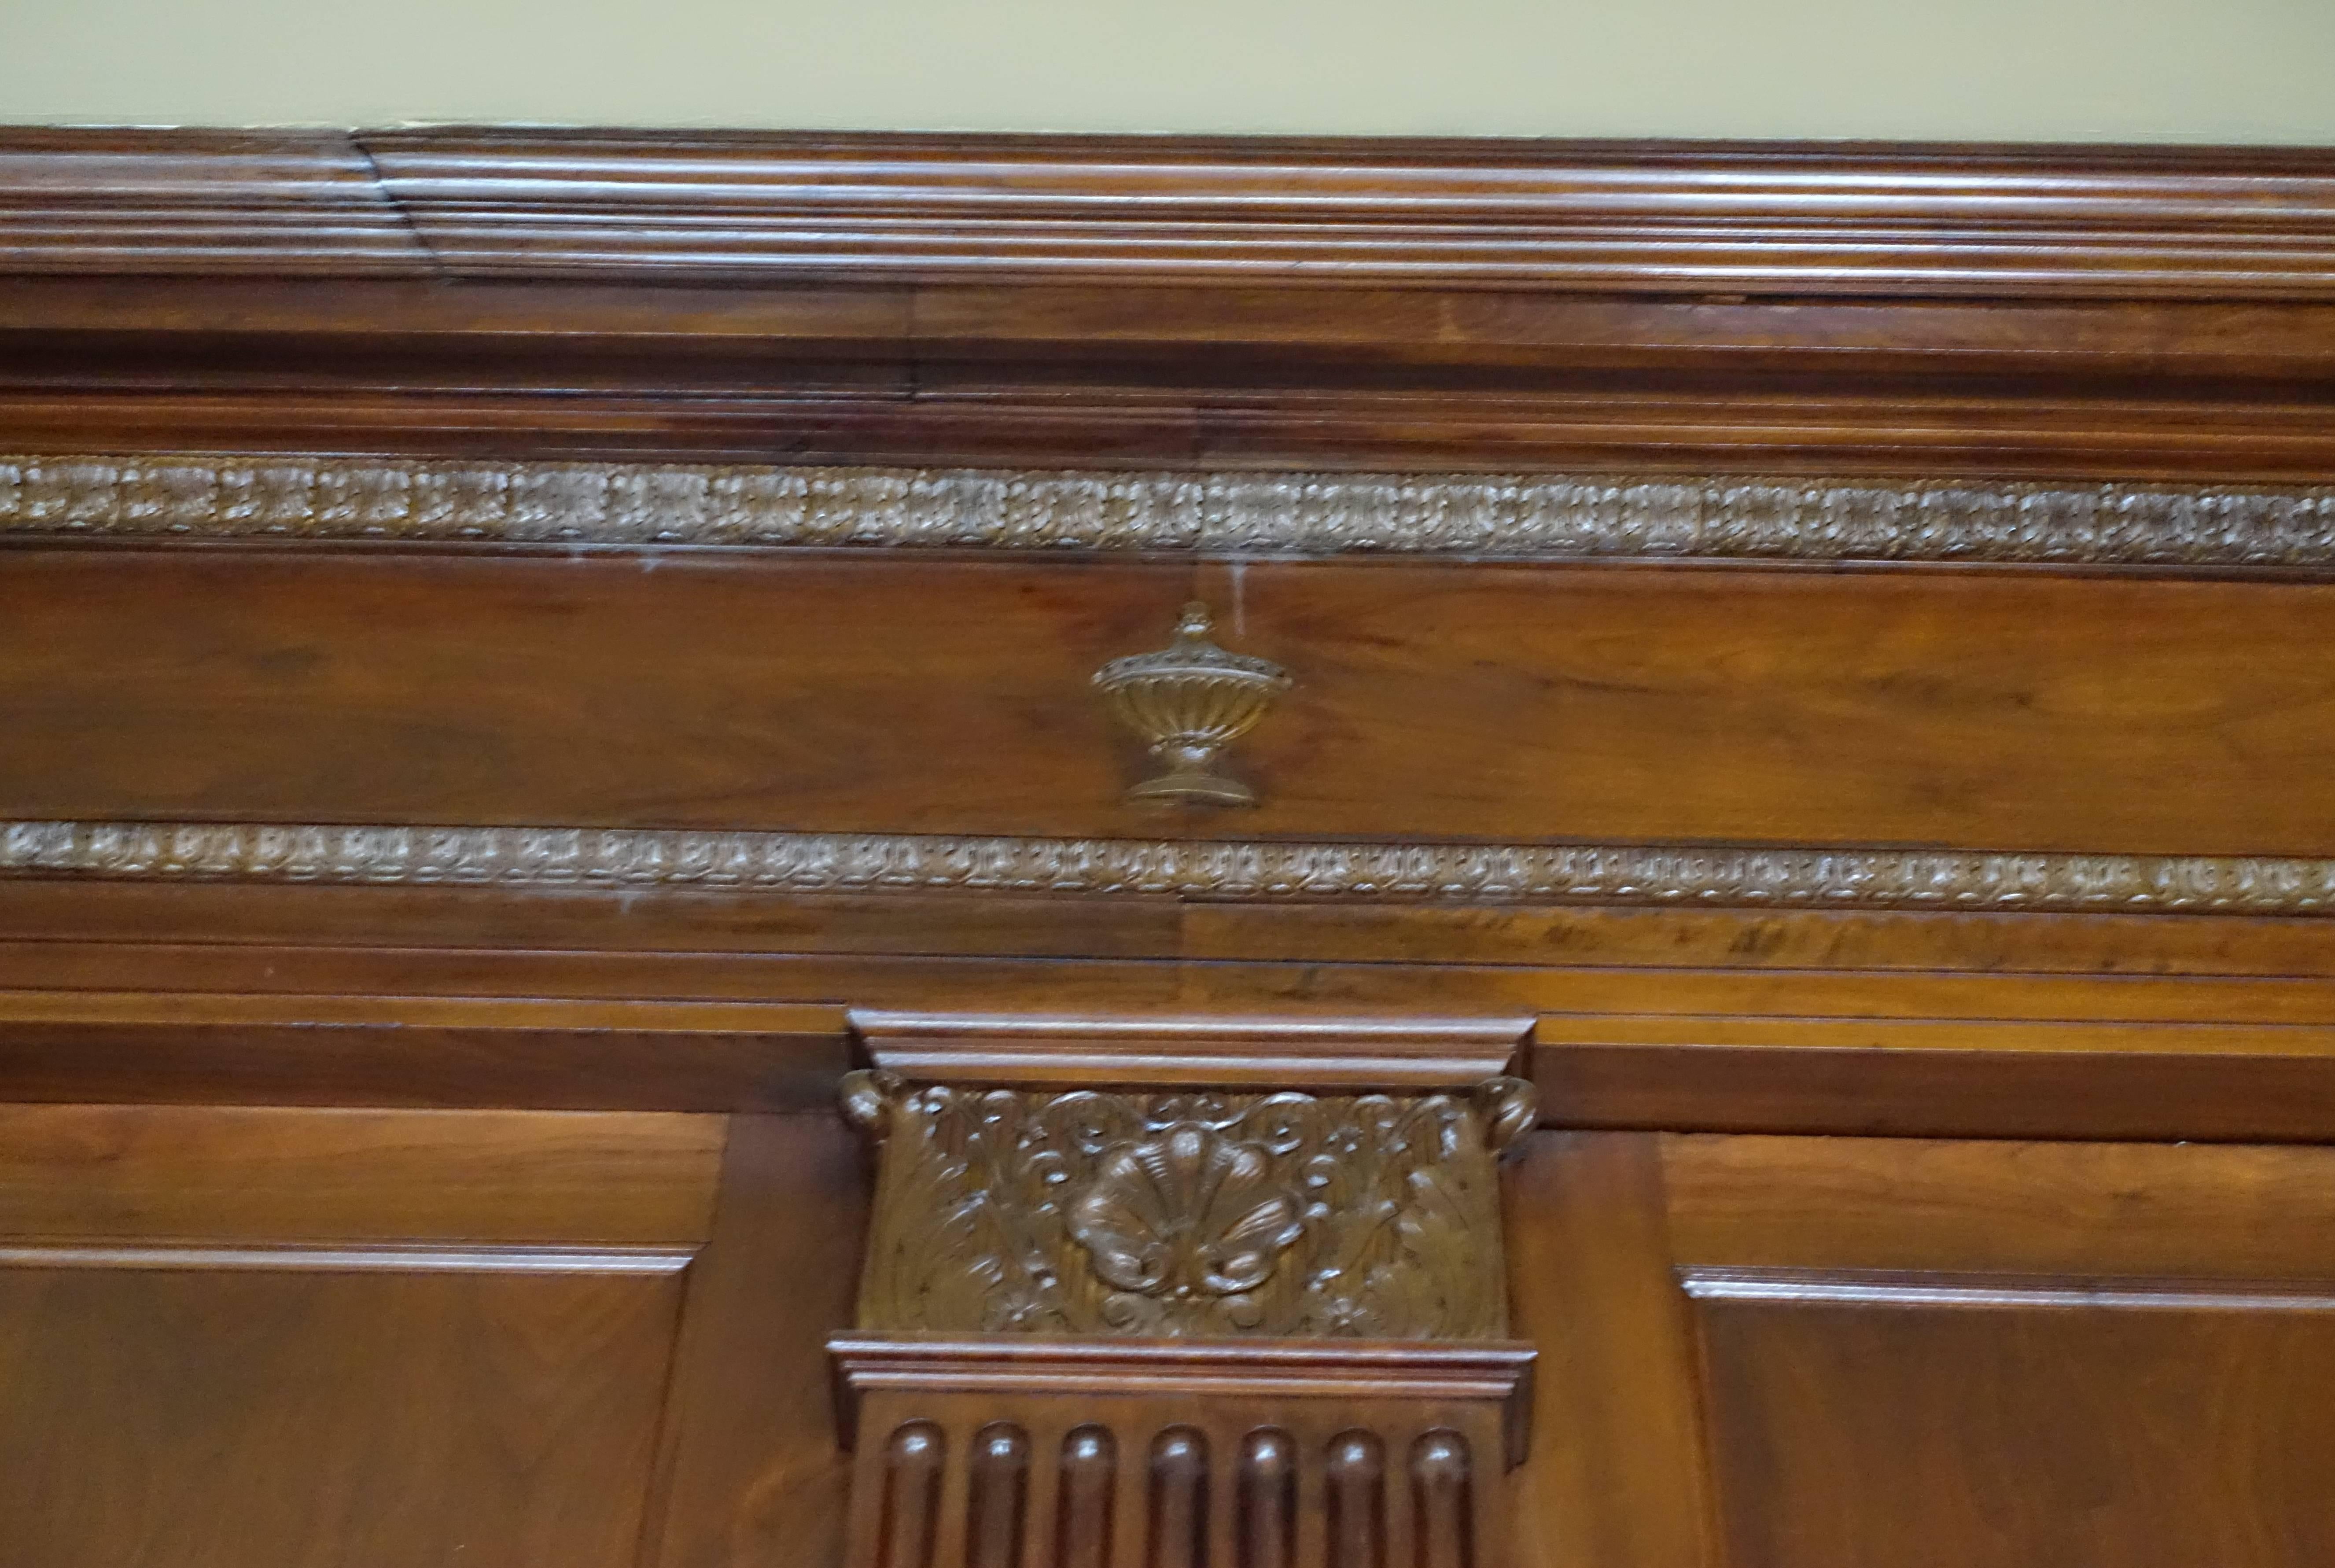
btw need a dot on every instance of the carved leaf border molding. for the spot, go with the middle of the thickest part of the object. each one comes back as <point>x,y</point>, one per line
<point>1514,517</point>
<point>1261,870</point>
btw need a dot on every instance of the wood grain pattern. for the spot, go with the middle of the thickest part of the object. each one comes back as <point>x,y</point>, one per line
<point>1498,704</point>
<point>1960,1077</point>
<point>416,1050</point>
<point>2118,223</point>
<point>2109,313</point>
<point>1911,1205</point>
<point>2107,1433</point>
<point>1617,1472</point>
<point>2006,1353</point>
<point>193,1419</point>
<point>217,1173</point>
<point>750,1471</point>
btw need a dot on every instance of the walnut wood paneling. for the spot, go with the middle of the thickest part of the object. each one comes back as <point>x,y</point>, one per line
<point>2090,1426</point>
<point>1148,1454</point>
<point>2109,312</point>
<point>1694,217</point>
<point>1967,1077</point>
<point>752,1471</point>
<point>1501,703</point>
<point>131,1173</point>
<point>1771,1352</point>
<point>234,1332</point>
<point>201,1417</point>
<point>418,1050</point>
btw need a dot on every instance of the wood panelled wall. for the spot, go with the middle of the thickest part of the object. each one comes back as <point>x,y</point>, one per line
<point>517,648</point>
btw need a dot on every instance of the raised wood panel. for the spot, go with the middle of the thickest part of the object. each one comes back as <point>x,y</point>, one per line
<point>1775,1352</point>
<point>202,1417</point>
<point>1985,710</point>
<point>2015,1427</point>
<point>334,1337</point>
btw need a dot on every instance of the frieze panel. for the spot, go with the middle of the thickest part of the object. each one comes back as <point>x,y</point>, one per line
<point>1086,1213</point>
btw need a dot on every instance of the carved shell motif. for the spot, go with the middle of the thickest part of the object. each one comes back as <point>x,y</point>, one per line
<point>1187,1214</point>
<point>1005,1211</point>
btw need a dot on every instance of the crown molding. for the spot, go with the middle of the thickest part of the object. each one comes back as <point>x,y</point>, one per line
<point>1677,218</point>
<point>2052,312</point>
<point>1718,875</point>
<point>1513,516</point>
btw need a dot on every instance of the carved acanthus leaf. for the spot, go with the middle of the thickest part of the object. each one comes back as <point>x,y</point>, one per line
<point>1720,876</point>
<point>1554,517</point>
<point>1088,1212</point>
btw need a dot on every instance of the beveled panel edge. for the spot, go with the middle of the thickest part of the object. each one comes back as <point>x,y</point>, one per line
<point>1959,1288</point>
<point>1495,516</point>
<point>1716,875</point>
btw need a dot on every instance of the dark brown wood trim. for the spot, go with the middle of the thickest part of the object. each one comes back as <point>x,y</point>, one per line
<point>1662,308</point>
<point>1663,217</point>
<point>429,1052</point>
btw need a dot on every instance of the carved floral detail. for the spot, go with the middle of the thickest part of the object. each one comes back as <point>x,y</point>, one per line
<point>1003,1211</point>
<point>1712,874</point>
<point>1512,515</point>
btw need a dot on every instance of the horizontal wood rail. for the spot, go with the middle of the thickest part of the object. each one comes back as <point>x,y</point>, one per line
<point>2133,313</point>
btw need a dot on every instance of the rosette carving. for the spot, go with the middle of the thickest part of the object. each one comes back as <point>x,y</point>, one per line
<point>1371,1215</point>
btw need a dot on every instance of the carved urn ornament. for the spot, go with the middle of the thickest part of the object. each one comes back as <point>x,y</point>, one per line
<point>1190,700</point>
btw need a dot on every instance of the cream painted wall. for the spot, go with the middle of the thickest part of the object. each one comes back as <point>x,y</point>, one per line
<point>2121,70</point>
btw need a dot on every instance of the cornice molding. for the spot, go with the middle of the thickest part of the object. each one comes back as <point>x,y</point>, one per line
<point>1677,218</point>
<point>1513,516</point>
<point>1227,869</point>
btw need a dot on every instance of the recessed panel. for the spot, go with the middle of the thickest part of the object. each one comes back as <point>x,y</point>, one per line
<point>1991,1424</point>
<point>313,1412</point>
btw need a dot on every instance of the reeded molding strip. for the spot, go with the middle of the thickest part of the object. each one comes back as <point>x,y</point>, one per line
<point>1841,878</point>
<point>1499,516</point>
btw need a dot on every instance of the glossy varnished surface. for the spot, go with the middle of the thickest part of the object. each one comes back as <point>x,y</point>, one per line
<point>320,1336</point>
<point>1883,310</point>
<point>1983,711</point>
<point>365,1204</point>
<point>1841,1351</point>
